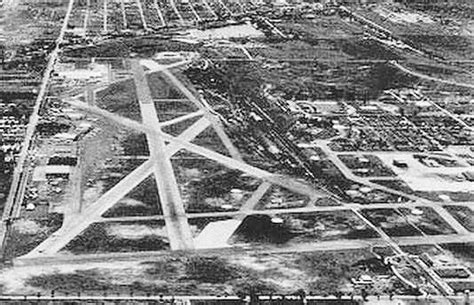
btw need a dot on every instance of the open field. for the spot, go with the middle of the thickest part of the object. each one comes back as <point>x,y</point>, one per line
<point>354,126</point>
<point>391,222</point>
<point>28,233</point>
<point>143,200</point>
<point>182,275</point>
<point>300,228</point>
<point>464,215</point>
<point>120,98</point>
<point>120,237</point>
<point>207,186</point>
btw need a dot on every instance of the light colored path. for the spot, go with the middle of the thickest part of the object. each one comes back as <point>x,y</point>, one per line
<point>105,15</point>
<point>437,206</point>
<point>225,7</point>
<point>283,181</point>
<point>309,209</point>
<point>208,112</point>
<point>92,213</point>
<point>182,118</point>
<point>216,234</point>
<point>176,11</point>
<point>250,204</point>
<point>335,245</point>
<point>158,11</point>
<point>19,177</point>
<point>179,233</point>
<point>430,78</point>
<point>209,8</point>
<point>142,16</point>
<point>124,15</point>
<point>449,219</point>
<point>188,135</point>
<point>198,18</point>
<point>86,16</point>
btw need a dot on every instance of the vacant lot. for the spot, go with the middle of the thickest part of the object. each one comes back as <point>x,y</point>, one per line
<point>120,237</point>
<point>302,228</point>
<point>463,252</point>
<point>279,198</point>
<point>463,214</point>
<point>26,234</point>
<point>318,273</point>
<point>143,200</point>
<point>120,98</point>
<point>207,186</point>
<point>391,222</point>
<point>429,222</point>
<point>366,165</point>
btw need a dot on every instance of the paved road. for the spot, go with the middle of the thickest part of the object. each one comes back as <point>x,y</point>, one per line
<point>365,181</point>
<point>209,8</point>
<point>124,15</point>
<point>434,79</point>
<point>104,20</point>
<point>182,118</point>
<point>196,15</point>
<point>74,226</point>
<point>176,11</point>
<point>158,11</point>
<point>142,16</point>
<point>308,209</point>
<point>283,181</point>
<point>337,245</point>
<point>188,135</point>
<point>86,16</point>
<point>92,214</point>
<point>179,232</point>
<point>18,173</point>
<point>251,203</point>
<point>208,113</point>
<point>453,83</point>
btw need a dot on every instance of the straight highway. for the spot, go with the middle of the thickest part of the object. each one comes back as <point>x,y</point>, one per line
<point>20,175</point>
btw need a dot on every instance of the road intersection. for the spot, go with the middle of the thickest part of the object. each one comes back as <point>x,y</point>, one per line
<point>163,147</point>
<point>154,134</point>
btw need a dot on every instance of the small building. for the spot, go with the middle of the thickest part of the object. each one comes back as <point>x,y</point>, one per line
<point>43,173</point>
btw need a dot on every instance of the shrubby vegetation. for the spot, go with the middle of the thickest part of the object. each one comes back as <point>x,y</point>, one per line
<point>95,239</point>
<point>19,243</point>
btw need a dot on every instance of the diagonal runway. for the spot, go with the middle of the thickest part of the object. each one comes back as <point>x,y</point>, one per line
<point>179,232</point>
<point>283,181</point>
<point>182,118</point>
<point>188,135</point>
<point>180,235</point>
<point>208,113</point>
<point>93,212</point>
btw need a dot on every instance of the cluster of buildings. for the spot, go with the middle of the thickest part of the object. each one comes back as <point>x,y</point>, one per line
<point>12,132</point>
